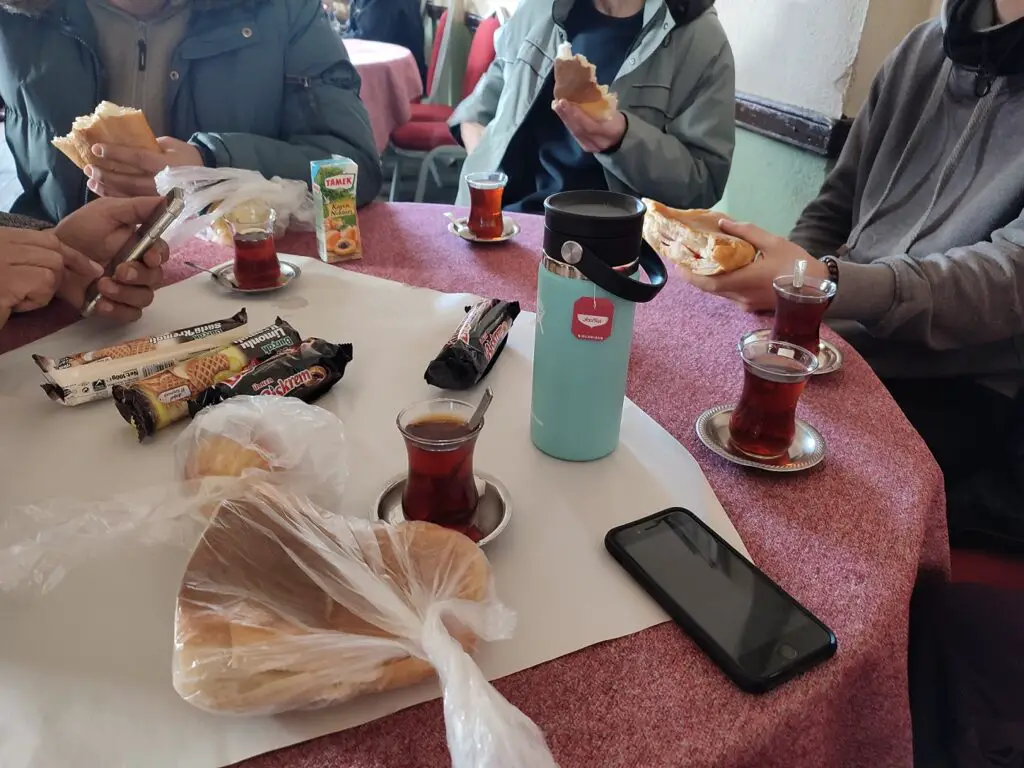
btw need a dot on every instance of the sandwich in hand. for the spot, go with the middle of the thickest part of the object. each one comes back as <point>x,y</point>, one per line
<point>576,81</point>
<point>108,124</point>
<point>693,239</point>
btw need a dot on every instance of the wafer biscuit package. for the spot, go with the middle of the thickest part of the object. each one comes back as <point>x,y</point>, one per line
<point>154,403</point>
<point>334,202</point>
<point>87,376</point>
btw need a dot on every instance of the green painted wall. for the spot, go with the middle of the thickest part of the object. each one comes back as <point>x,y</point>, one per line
<point>771,182</point>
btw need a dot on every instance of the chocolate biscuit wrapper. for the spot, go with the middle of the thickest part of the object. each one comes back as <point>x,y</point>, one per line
<point>160,400</point>
<point>306,371</point>
<point>88,376</point>
<point>468,356</point>
<point>141,346</point>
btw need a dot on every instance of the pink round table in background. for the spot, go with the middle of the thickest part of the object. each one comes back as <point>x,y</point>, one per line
<point>391,82</point>
<point>849,539</point>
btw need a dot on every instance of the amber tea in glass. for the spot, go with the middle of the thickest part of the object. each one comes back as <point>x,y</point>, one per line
<point>775,373</point>
<point>485,192</point>
<point>799,310</point>
<point>440,487</point>
<point>252,228</point>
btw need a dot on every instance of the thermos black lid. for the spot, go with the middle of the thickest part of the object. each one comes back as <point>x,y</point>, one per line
<point>600,234</point>
<point>608,223</point>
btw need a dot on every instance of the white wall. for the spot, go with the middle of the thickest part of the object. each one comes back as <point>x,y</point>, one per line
<point>797,52</point>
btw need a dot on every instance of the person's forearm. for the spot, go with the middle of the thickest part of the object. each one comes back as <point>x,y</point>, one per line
<point>471,134</point>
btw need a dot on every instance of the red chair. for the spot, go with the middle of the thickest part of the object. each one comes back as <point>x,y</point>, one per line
<point>431,141</point>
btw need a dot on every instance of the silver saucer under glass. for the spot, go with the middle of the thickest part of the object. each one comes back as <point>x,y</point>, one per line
<point>806,451</point>
<point>493,511</point>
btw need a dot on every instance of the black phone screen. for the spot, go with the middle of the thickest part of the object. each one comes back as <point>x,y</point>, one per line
<point>737,607</point>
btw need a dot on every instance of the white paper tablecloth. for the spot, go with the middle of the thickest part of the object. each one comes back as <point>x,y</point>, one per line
<point>85,670</point>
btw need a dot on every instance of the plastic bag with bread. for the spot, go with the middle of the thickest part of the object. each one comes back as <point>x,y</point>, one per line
<point>693,240</point>
<point>108,124</point>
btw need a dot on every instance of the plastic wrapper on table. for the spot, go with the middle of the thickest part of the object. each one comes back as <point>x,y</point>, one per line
<point>226,448</point>
<point>212,192</point>
<point>284,607</point>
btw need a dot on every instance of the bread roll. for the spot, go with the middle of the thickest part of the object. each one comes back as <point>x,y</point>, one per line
<point>693,239</point>
<point>108,124</point>
<point>255,632</point>
<point>218,456</point>
<point>576,81</point>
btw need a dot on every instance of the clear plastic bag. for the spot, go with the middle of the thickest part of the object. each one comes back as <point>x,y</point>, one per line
<point>284,607</point>
<point>226,188</point>
<point>302,443</point>
<point>285,604</point>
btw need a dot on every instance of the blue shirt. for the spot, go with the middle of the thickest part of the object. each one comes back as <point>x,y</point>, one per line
<point>547,157</point>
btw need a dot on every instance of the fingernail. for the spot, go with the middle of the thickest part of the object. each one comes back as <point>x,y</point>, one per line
<point>91,185</point>
<point>97,150</point>
<point>131,273</point>
<point>88,171</point>
<point>105,307</point>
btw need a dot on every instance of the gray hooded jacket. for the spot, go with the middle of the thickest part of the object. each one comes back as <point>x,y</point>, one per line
<point>677,87</point>
<point>925,209</point>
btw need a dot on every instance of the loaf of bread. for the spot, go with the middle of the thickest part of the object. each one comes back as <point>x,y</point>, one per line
<point>576,81</point>
<point>692,239</point>
<point>108,124</point>
<point>281,609</point>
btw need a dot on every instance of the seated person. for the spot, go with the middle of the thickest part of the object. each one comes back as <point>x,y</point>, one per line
<point>669,63</point>
<point>265,86</point>
<point>39,263</point>
<point>921,226</point>
<point>399,22</point>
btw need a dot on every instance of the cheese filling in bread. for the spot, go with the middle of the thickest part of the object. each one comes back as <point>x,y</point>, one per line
<point>694,240</point>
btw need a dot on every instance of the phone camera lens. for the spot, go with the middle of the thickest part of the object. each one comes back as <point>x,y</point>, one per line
<point>787,652</point>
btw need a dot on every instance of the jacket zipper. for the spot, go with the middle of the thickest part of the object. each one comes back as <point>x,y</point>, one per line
<point>142,55</point>
<point>97,70</point>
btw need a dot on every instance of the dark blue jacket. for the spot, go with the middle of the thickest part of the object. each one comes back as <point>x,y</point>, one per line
<point>258,84</point>
<point>390,21</point>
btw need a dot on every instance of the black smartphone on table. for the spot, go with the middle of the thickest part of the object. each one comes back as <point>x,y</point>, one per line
<point>135,248</point>
<point>757,633</point>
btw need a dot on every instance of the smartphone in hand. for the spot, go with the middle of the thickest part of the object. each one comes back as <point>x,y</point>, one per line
<point>135,248</point>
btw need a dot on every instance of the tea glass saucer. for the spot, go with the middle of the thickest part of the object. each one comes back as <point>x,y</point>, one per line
<point>460,228</point>
<point>493,511</point>
<point>224,276</point>
<point>807,450</point>
<point>830,359</point>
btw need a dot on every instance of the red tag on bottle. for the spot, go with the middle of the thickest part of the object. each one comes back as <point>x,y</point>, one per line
<point>592,319</point>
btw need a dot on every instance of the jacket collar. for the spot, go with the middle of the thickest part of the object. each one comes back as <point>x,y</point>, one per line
<point>683,11</point>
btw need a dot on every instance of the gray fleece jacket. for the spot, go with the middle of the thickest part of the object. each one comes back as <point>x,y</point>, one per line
<point>924,209</point>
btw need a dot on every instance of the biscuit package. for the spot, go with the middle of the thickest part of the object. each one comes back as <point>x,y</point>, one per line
<point>334,202</point>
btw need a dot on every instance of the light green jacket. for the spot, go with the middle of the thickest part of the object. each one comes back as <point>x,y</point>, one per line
<point>676,87</point>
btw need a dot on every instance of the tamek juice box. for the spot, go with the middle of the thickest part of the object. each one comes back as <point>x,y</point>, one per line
<point>334,197</point>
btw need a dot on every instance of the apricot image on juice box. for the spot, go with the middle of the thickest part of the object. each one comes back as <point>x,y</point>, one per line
<point>334,197</point>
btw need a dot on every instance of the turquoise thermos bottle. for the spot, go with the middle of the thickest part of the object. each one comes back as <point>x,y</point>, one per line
<point>587,289</point>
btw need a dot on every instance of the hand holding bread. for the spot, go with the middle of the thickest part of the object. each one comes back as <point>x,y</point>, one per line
<point>750,287</point>
<point>589,110</point>
<point>116,148</point>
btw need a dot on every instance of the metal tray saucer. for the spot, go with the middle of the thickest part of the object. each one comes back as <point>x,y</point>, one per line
<point>807,450</point>
<point>493,512</point>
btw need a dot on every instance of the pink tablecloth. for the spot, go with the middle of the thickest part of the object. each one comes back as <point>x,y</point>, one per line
<point>391,81</point>
<point>848,539</point>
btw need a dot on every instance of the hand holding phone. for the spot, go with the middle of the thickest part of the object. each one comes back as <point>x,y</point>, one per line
<point>93,229</point>
<point>746,623</point>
